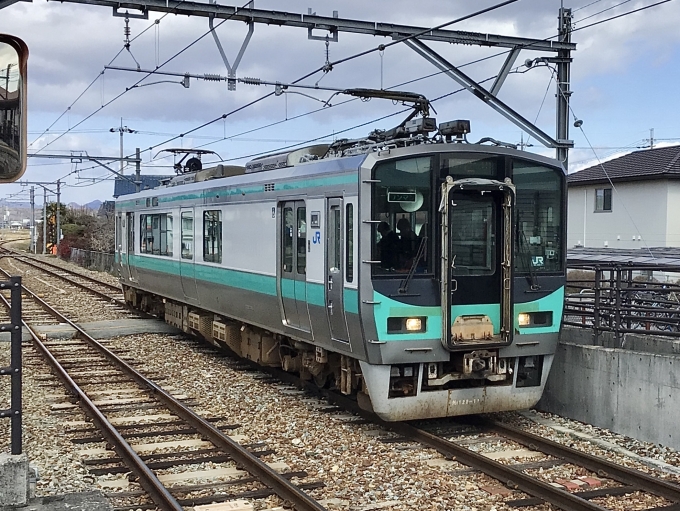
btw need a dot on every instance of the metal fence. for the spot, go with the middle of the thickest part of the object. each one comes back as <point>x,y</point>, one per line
<point>607,298</point>
<point>14,369</point>
<point>98,261</point>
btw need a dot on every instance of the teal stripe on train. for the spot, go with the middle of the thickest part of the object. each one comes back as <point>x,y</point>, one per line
<point>247,190</point>
<point>249,281</point>
<point>386,307</point>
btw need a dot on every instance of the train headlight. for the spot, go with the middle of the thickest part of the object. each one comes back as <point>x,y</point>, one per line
<point>535,319</point>
<point>414,324</point>
<point>406,325</point>
<point>524,319</point>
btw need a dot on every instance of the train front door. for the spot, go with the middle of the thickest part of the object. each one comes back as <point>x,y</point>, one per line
<point>335,279</point>
<point>293,265</point>
<point>187,269</point>
<point>477,262</point>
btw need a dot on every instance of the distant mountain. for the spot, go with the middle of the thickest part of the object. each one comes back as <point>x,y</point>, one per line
<point>92,206</point>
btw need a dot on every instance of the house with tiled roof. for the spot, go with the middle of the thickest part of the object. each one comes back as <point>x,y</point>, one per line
<point>629,202</point>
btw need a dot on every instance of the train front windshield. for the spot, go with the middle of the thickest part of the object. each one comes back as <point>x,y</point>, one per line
<point>406,199</point>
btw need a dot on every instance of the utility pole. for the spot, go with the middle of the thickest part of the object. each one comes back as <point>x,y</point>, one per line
<point>138,172</point>
<point>44,248</point>
<point>122,129</point>
<point>58,215</point>
<point>651,138</point>
<point>32,248</point>
<point>563,88</point>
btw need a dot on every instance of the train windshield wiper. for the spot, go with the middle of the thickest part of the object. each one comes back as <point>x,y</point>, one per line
<point>523,246</point>
<point>403,287</point>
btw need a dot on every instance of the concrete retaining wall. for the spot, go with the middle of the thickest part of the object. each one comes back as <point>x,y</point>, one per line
<point>634,390</point>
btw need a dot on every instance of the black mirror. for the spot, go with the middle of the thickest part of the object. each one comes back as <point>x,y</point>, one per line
<point>13,57</point>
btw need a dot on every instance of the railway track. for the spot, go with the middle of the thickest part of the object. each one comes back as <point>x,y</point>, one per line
<point>600,485</point>
<point>604,487</point>
<point>107,387</point>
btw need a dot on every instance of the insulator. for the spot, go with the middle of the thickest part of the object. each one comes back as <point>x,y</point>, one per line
<point>211,77</point>
<point>251,81</point>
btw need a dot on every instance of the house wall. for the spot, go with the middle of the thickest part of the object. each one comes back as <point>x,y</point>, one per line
<point>673,219</point>
<point>639,208</point>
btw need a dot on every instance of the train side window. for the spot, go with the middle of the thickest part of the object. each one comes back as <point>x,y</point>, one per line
<point>287,240</point>
<point>145,234</point>
<point>166,235</point>
<point>155,234</point>
<point>212,236</point>
<point>131,233</point>
<point>301,240</point>
<point>187,223</point>
<point>349,242</point>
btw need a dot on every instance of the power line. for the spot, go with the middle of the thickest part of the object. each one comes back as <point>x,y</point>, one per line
<point>155,23</point>
<point>587,5</point>
<point>603,10</point>
<point>622,15</point>
<point>139,81</point>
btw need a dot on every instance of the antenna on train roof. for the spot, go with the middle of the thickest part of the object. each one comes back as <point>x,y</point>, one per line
<point>193,164</point>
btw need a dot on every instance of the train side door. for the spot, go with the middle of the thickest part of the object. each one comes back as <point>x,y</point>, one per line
<point>120,240</point>
<point>187,269</point>
<point>335,308</point>
<point>130,247</point>
<point>293,265</point>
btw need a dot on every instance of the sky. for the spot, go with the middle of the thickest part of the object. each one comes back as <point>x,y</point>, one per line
<point>624,82</point>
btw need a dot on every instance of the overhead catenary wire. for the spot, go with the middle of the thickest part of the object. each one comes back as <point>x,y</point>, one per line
<point>245,106</point>
<point>140,80</point>
<point>526,46</point>
<point>99,75</point>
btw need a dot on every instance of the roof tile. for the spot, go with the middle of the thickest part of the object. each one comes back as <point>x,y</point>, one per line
<point>663,162</point>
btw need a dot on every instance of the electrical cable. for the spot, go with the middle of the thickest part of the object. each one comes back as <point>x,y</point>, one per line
<point>587,5</point>
<point>616,191</point>
<point>141,79</point>
<point>362,53</point>
<point>101,73</point>
<point>603,10</point>
<point>621,15</point>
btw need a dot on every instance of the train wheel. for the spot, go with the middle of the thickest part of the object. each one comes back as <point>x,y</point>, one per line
<point>321,380</point>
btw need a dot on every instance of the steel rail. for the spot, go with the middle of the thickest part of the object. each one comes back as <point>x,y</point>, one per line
<point>512,478</point>
<point>68,279</point>
<point>606,468</point>
<point>147,479</point>
<point>57,267</point>
<point>29,261</point>
<point>265,474</point>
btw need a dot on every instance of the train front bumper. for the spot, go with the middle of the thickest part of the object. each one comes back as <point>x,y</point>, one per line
<point>426,404</point>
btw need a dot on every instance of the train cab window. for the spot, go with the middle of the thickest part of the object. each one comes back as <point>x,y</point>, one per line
<point>467,167</point>
<point>212,236</point>
<point>539,234</point>
<point>473,240</point>
<point>187,222</point>
<point>402,204</point>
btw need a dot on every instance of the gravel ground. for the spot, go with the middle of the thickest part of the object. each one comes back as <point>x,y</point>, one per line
<point>360,471</point>
<point>66,297</point>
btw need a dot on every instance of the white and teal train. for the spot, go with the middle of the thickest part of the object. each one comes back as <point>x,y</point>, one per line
<point>423,276</point>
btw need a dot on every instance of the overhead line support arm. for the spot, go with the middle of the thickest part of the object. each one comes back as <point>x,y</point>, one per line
<point>332,24</point>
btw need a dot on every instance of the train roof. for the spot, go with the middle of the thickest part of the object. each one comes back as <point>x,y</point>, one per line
<point>317,160</point>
